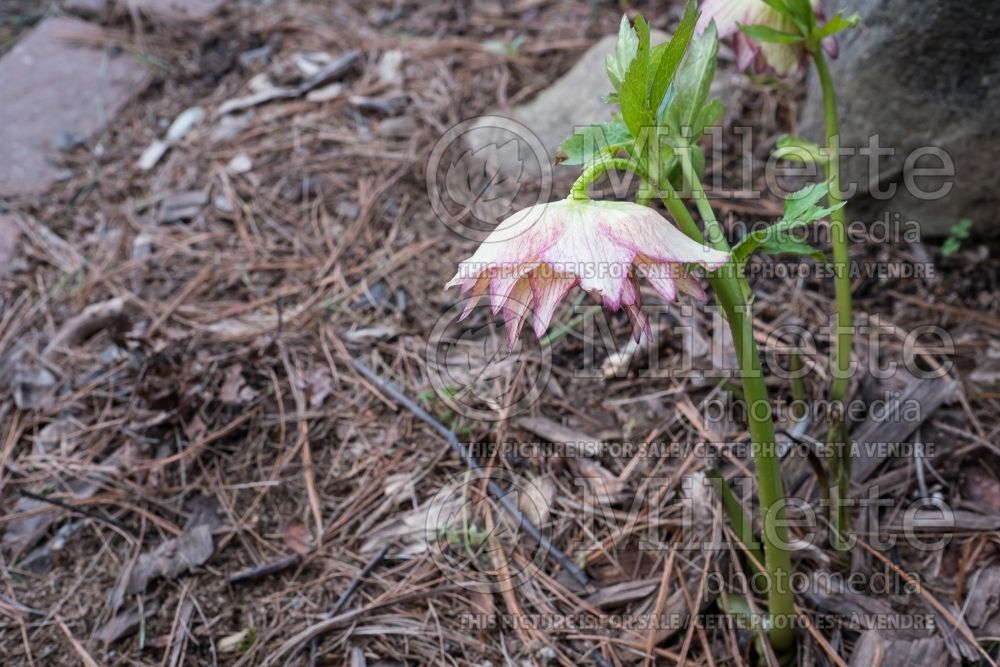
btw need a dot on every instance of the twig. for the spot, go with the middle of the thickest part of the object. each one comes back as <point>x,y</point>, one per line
<point>499,494</point>
<point>270,567</point>
<point>91,514</point>
<point>356,581</point>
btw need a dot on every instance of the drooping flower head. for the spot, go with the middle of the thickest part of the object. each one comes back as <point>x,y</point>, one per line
<point>534,257</point>
<point>783,58</point>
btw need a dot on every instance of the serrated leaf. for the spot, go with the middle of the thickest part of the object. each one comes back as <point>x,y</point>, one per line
<point>692,85</point>
<point>633,95</point>
<point>666,58</point>
<point>625,49</point>
<point>799,203</point>
<point>801,210</point>
<point>588,142</point>
<point>764,33</point>
<point>799,150</point>
<point>837,24</point>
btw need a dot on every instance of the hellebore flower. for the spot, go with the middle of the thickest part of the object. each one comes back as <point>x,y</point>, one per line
<point>534,257</point>
<point>784,59</point>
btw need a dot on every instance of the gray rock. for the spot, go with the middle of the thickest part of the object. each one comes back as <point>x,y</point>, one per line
<point>574,99</point>
<point>924,77</point>
<point>51,86</point>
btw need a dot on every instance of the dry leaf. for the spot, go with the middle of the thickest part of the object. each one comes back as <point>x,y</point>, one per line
<point>298,538</point>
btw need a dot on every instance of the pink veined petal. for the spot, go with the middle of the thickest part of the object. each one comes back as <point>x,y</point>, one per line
<point>689,285</point>
<point>518,239</point>
<point>831,46</point>
<point>600,265</point>
<point>516,309</point>
<point>630,293</point>
<point>661,276</point>
<point>746,51</point>
<point>478,289</point>
<point>465,282</point>
<point>725,13</point>
<point>502,282</point>
<point>547,290</point>
<point>643,230</point>
<point>640,323</point>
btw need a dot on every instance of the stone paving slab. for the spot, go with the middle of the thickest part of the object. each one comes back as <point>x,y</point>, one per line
<point>51,87</point>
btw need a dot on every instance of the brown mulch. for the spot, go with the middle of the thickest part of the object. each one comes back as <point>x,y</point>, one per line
<point>193,472</point>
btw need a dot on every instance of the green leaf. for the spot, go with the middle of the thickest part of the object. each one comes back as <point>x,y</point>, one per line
<point>801,203</point>
<point>625,50</point>
<point>591,141</point>
<point>633,95</point>
<point>666,58</point>
<point>837,24</point>
<point>685,103</point>
<point>799,150</point>
<point>801,210</point>
<point>801,12</point>
<point>763,33</point>
<point>959,232</point>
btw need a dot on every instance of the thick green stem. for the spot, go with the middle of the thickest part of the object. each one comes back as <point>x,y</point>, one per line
<point>598,169</point>
<point>728,284</point>
<point>837,434</point>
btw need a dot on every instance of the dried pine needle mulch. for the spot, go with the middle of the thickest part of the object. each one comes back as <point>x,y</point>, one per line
<point>210,391</point>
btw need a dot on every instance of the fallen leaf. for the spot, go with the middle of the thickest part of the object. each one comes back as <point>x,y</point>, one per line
<point>33,388</point>
<point>319,384</point>
<point>175,556</point>
<point>238,642</point>
<point>126,622</point>
<point>298,538</point>
<point>235,390</point>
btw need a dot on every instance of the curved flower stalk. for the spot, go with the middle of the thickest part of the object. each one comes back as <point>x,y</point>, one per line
<point>540,253</point>
<point>763,37</point>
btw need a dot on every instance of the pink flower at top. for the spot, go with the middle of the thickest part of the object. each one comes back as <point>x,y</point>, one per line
<point>534,257</point>
<point>784,59</point>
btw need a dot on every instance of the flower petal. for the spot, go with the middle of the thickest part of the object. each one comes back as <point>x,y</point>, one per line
<point>478,289</point>
<point>547,290</point>
<point>661,276</point>
<point>688,284</point>
<point>516,309</point>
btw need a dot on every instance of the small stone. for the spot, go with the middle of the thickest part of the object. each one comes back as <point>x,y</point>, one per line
<point>389,70</point>
<point>152,155</point>
<point>399,127</point>
<point>33,387</point>
<point>240,164</point>
<point>183,124</point>
<point>259,56</point>
<point>326,93</point>
<point>182,206</point>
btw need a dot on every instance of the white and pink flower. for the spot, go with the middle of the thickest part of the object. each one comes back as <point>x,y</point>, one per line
<point>534,257</point>
<point>784,59</point>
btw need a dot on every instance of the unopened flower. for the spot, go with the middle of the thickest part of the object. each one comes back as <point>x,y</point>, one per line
<point>534,257</point>
<point>784,59</point>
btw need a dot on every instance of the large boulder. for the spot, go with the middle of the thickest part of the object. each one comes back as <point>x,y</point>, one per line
<point>922,78</point>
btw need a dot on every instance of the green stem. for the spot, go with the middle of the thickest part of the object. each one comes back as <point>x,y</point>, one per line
<point>742,525</point>
<point>837,434</point>
<point>598,169</point>
<point>728,284</point>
